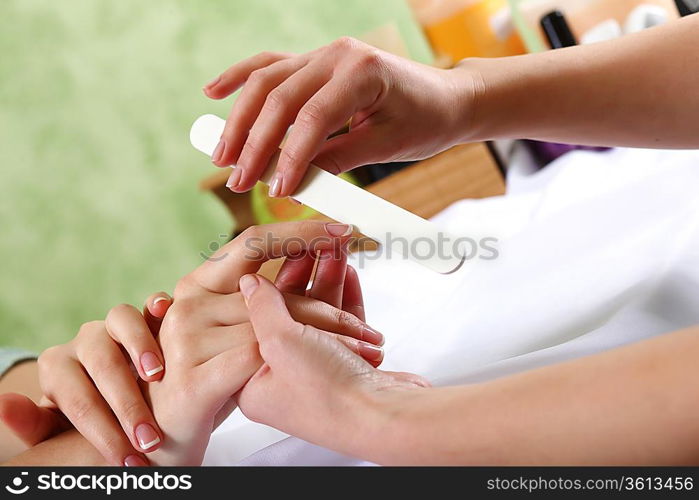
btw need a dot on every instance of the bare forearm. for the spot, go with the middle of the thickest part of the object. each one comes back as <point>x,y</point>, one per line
<point>638,91</point>
<point>68,448</point>
<point>634,405</point>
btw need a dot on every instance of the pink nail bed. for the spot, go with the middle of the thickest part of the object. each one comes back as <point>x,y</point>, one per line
<point>146,436</point>
<point>150,364</point>
<point>218,152</point>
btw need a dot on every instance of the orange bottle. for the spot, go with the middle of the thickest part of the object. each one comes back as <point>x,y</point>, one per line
<point>467,28</point>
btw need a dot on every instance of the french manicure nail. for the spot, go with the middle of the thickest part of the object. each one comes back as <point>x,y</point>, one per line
<point>234,178</point>
<point>248,284</point>
<point>275,186</point>
<point>372,336</point>
<point>218,152</point>
<point>370,352</point>
<point>335,229</point>
<point>150,364</point>
<point>159,299</point>
<point>212,83</point>
<point>134,461</point>
<point>146,436</point>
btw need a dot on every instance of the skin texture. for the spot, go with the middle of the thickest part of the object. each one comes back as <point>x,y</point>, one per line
<point>210,348</point>
<point>399,110</point>
<point>634,91</point>
<point>22,379</point>
<point>625,406</point>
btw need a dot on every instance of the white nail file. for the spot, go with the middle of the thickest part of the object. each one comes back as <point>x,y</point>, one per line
<point>408,235</point>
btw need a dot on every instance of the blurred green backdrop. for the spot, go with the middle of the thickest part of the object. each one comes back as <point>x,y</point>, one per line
<point>98,183</point>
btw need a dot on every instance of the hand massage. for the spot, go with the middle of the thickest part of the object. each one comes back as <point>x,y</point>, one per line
<point>568,335</point>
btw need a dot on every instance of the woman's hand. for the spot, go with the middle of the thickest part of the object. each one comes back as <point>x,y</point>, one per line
<point>399,110</point>
<point>209,343</point>
<point>89,383</point>
<point>311,385</point>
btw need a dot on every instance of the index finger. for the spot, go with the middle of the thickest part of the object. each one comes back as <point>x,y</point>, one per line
<point>258,244</point>
<point>327,111</point>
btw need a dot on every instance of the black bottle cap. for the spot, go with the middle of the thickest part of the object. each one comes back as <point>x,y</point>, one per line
<point>687,7</point>
<point>557,30</point>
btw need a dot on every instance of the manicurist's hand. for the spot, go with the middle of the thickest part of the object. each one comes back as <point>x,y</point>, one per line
<point>89,383</point>
<point>209,343</point>
<point>399,110</point>
<point>311,385</point>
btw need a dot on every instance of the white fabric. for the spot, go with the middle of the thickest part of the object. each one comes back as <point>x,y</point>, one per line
<point>596,251</point>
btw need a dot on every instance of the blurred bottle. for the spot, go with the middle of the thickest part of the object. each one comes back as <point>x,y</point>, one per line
<point>467,28</point>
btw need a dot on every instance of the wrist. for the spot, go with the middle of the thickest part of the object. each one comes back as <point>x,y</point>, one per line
<point>499,97</point>
<point>182,446</point>
<point>387,427</point>
<point>468,89</point>
<point>186,427</point>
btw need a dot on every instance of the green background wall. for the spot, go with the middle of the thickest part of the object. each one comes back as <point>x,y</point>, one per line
<point>98,184</point>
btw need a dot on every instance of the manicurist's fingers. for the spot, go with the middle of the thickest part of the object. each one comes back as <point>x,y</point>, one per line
<point>279,111</point>
<point>326,317</point>
<point>234,77</point>
<point>127,326</point>
<point>268,312</point>
<point>324,113</point>
<point>352,298</point>
<point>229,310</point>
<point>247,108</point>
<point>271,320</point>
<point>257,244</point>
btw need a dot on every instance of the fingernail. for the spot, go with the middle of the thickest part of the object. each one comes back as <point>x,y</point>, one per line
<point>146,436</point>
<point>212,83</point>
<point>234,178</point>
<point>159,299</point>
<point>372,336</point>
<point>294,201</point>
<point>150,364</point>
<point>135,461</point>
<point>335,229</point>
<point>218,152</point>
<point>370,352</point>
<point>248,284</point>
<point>275,186</point>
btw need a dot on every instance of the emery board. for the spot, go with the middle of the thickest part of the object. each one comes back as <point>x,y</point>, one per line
<point>408,235</point>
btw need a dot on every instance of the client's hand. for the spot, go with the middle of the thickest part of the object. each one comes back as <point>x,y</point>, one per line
<point>89,383</point>
<point>209,344</point>
<point>311,385</point>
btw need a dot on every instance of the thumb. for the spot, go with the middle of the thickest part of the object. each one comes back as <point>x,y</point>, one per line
<point>29,422</point>
<point>267,310</point>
